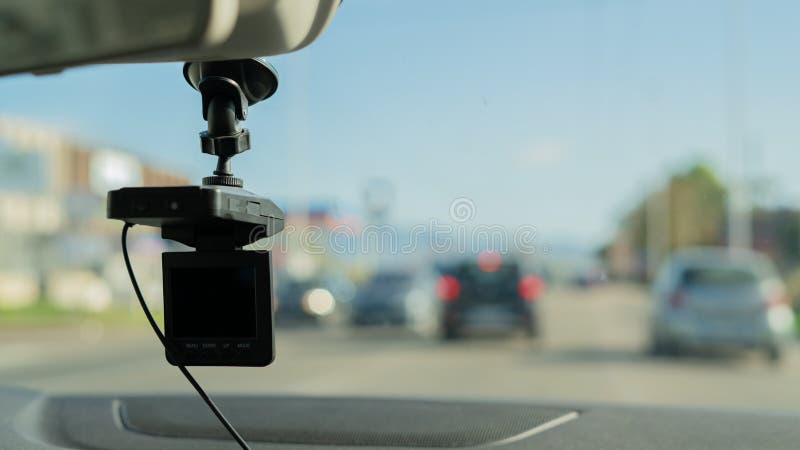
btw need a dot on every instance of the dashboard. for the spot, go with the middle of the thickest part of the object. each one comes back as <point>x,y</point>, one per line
<point>34,420</point>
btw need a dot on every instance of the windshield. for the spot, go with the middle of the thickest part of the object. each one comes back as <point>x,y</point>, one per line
<point>478,198</point>
<point>722,277</point>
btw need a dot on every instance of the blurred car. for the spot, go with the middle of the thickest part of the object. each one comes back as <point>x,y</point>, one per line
<point>717,298</point>
<point>590,277</point>
<point>302,302</point>
<point>489,293</point>
<point>396,297</point>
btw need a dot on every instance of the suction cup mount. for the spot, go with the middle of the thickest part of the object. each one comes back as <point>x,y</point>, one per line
<point>228,88</point>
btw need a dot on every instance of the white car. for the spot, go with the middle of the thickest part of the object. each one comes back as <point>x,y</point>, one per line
<point>718,298</point>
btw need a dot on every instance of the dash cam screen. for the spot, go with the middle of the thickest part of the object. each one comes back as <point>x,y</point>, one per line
<point>218,302</point>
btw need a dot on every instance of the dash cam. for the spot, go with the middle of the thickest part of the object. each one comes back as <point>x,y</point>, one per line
<point>218,308</point>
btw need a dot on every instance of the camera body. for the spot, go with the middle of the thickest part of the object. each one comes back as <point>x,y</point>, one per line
<point>218,308</point>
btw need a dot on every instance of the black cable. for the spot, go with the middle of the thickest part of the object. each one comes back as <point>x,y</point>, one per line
<point>238,438</point>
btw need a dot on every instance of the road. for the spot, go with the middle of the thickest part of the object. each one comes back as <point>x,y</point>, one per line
<point>592,350</point>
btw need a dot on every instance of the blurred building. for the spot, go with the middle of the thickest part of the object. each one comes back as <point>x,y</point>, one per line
<point>688,210</point>
<point>56,242</point>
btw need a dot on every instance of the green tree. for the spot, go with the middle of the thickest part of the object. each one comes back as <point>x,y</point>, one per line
<point>697,208</point>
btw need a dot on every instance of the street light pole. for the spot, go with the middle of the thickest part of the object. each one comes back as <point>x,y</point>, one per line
<point>739,201</point>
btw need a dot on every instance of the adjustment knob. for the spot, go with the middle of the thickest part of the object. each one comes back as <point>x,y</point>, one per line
<point>223,180</point>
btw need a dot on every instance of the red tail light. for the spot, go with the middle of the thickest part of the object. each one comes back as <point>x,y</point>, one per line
<point>447,288</point>
<point>530,287</point>
<point>676,299</point>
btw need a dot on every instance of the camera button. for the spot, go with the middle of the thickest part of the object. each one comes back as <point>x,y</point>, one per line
<point>141,206</point>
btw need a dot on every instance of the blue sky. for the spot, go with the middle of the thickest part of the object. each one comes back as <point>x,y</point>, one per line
<point>550,113</point>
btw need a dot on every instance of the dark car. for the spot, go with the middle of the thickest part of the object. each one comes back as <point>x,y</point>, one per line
<point>381,300</point>
<point>493,295</point>
<point>306,302</point>
<point>289,294</point>
<point>400,297</point>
